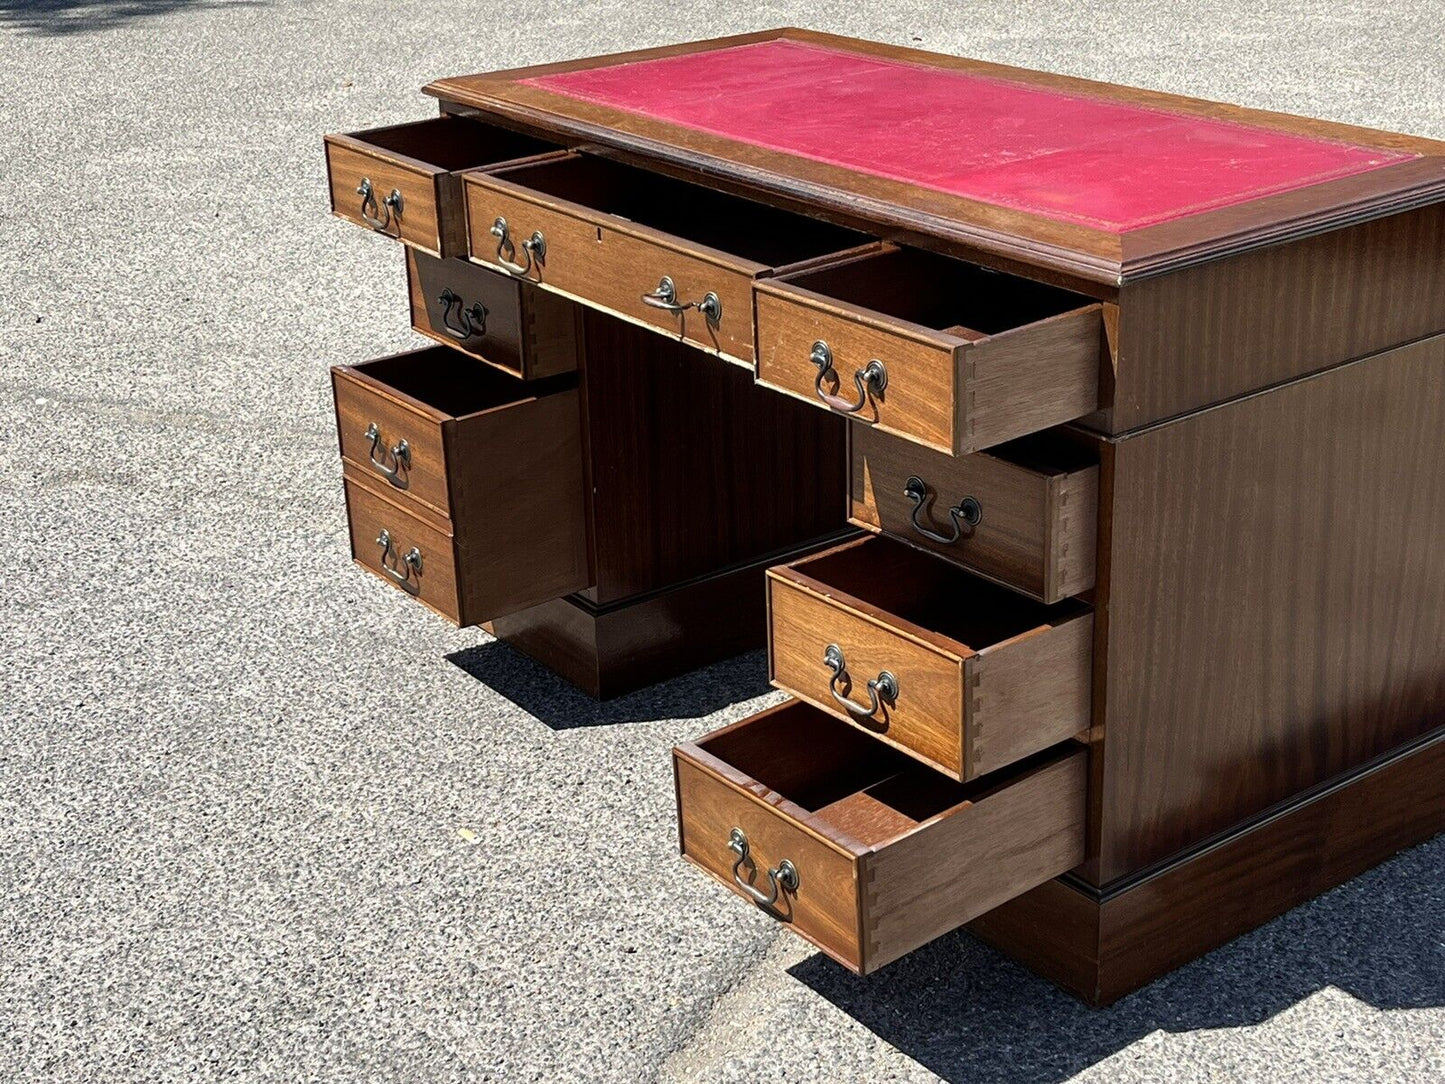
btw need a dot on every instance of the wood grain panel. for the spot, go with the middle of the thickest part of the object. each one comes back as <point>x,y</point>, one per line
<point>973,358</point>
<point>362,401</point>
<point>427,199</point>
<point>524,331</point>
<point>693,467</point>
<point>613,234</point>
<point>919,401</point>
<point>1229,327</point>
<point>1028,693</point>
<point>1276,599</point>
<point>422,160</point>
<point>591,259</point>
<point>971,859</point>
<point>1103,950</point>
<point>1029,378</point>
<point>1039,507</point>
<point>926,719</point>
<point>518,504</point>
<point>972,697</point>
<point>368,514</point>
<point>824,909</point>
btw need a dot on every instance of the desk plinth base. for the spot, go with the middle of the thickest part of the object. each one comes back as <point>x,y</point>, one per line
<point>607,651</point>
<point>1103,944</point>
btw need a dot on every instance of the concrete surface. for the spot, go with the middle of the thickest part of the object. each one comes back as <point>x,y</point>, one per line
<point>235,774</point>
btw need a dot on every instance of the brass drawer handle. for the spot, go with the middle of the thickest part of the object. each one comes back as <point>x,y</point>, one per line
<point>782,876</point>
<point>400,568</point>
<point>881,690</point>
<point>665,297</point>
<point>872,380</point>
<point>471,320</point>
<point>392,206</point>
<point>400,457</point>
<point>965,515</point>
<point>534,247</point>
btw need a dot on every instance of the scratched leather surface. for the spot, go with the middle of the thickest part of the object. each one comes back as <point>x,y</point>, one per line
<point>1098,163</point>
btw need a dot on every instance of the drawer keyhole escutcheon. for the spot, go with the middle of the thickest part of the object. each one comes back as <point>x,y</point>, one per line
<point>782,876</point>
<point>665,297</point>
<point>965,515</point>
<point>871,380</point>
<point>471,320</point>
<point>372,214</point>
<point>399,567</point>
<point>400,454</point>
<point>534,248</point>
<point>881,690</point>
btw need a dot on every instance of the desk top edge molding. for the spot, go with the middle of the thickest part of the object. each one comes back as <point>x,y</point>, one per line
<point>913,213</point>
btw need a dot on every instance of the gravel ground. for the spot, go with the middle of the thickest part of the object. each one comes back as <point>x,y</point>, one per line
<point>243,835</point>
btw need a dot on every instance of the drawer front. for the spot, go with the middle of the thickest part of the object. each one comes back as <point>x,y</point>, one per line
<point>918,401</point>
<point>393,441</point>
<point>492,316</point>
<point>926,717</point>
<point>824,906</point>
<point>1029,528</point>
<point>418,219</point>
<point>593,258</point>
<point>403,550</point>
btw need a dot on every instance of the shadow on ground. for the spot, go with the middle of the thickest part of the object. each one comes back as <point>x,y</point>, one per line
<point>62,17</point>
<point>969,1013</point>
<point>541,693</point>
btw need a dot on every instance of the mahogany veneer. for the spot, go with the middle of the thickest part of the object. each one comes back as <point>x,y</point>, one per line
<point>1144,397</point>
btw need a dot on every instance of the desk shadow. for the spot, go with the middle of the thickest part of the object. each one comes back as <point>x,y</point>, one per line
<point>562,706</point>
<point>64,17</point>
<point>967,1012</point>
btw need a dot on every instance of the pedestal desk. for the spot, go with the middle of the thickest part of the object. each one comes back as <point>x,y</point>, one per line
<point>1076,451</point>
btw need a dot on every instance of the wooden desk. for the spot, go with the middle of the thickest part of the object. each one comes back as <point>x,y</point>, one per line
<point>1083,443</point>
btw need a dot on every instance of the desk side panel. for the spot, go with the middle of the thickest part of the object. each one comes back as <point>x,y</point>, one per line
<point>1276,608</point>
<point>1221,329</point>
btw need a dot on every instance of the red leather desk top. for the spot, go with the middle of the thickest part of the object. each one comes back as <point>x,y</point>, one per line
<point>1108,165</point>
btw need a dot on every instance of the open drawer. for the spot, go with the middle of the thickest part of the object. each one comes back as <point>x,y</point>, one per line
<point>464,486</point>
<point>941,352</point>
<point>1024,513</point>
<point>958,672</point>
<point>402,180</point>
<point>518,328</point>
<point>863,852</point>
<point>654,250</point>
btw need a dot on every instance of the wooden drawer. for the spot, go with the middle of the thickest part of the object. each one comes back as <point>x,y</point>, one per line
<point>956,671</point>
<point>1024,513</point>
<point>403,180</point>
<point>609,235</point>
<point>495,318</point>
<point>882,854</point>
<point>492,469</point>
<point>404,549</point>
<point>941,352</point>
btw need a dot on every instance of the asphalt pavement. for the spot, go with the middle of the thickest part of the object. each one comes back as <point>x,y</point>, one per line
<point>261,819</point>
